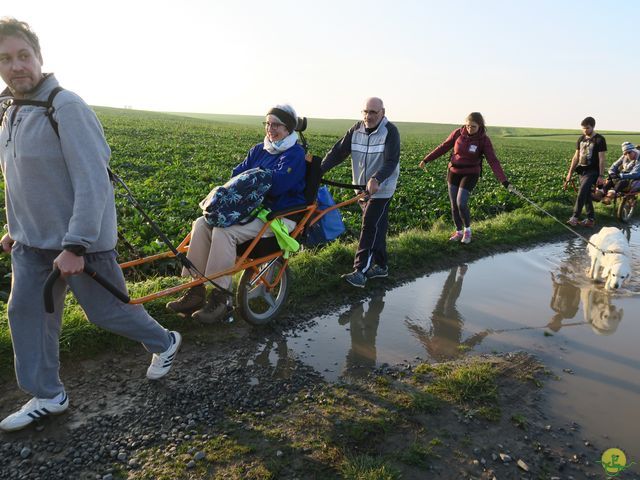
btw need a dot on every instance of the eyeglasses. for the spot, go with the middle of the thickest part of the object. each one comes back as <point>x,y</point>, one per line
<point>272,125</point>
<point>370,112</point>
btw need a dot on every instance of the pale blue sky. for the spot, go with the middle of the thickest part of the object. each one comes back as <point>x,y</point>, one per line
<point>540,64</point>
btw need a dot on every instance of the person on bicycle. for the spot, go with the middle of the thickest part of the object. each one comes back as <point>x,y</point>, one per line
<point>622,172</point>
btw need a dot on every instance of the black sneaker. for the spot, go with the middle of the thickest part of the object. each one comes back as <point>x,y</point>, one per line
<point>356,278</point>
<point>377,272</point>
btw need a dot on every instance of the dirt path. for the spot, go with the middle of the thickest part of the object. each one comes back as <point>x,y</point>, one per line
<point>222,388</point>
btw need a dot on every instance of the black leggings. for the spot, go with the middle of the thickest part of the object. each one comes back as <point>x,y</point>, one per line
<point>460,188</point>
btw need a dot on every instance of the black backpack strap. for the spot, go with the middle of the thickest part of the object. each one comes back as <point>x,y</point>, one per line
<point>4,106</point>
<point>48,105</point>
<point>50,109</point>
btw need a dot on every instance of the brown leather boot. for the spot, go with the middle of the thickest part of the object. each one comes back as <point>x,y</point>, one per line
<point>190,301</point>
<point>215,310</point>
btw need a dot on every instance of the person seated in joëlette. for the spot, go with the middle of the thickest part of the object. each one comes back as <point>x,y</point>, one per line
<point>622,172</point>
<point>213,249</point>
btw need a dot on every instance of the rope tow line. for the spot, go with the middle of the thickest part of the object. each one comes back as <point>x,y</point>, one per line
<point>154,226</point>
<point>514,190</point>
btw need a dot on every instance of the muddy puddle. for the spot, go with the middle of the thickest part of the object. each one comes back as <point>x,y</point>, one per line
<point>536,300</point>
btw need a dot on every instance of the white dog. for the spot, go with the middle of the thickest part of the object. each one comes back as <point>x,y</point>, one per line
<point>609,251</point>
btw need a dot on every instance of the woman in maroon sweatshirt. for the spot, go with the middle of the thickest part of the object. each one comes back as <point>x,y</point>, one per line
<point>470,143</point>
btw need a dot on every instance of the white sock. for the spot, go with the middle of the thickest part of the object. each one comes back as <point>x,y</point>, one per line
<point>467,229</point>
<point>58,398</point>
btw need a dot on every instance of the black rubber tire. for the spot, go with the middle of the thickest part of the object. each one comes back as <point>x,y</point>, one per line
<point>625,208</point>
<point>257,305</point>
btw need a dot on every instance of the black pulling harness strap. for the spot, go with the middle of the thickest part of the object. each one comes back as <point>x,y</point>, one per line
<point>48,105</point>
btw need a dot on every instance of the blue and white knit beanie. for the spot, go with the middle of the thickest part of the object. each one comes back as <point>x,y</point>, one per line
<point>626,146</point>
<point>286,114</point>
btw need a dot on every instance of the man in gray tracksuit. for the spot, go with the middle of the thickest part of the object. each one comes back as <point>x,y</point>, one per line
<point>60,213</point>
<point>374,146</point>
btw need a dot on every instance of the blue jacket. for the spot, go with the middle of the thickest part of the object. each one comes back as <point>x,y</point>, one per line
<point>289,169</point>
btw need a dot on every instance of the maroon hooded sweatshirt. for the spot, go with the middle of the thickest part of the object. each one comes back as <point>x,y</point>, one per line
<point>467,153</point>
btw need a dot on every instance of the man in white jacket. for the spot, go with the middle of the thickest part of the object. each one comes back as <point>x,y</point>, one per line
<point>374,146</point>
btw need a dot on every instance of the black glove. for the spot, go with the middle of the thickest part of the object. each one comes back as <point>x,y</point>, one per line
<point>506,184</point>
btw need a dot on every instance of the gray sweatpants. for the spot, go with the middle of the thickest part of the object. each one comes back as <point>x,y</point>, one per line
<point>35,333</point>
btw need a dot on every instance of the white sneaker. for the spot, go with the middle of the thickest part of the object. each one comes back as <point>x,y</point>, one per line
<point>33,410</point>
<point>161,362</point>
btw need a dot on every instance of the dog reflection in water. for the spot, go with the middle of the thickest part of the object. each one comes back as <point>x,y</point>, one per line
<point>597,307</point>
<point>443,339</point>
<point>603,316</point>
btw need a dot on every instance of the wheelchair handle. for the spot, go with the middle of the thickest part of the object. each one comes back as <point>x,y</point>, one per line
<point>55,274</point>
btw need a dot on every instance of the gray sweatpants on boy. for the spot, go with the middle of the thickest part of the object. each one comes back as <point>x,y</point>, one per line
<point>35,333</point>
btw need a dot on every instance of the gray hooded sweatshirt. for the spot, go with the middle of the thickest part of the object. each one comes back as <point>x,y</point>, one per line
<point>57,190</point>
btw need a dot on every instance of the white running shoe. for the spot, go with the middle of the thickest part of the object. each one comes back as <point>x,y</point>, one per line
<point>33,410</point>
<point>161,362</point>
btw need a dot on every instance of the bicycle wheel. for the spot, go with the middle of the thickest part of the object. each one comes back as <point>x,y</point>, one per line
<point>262,301</point>
<point>626,207</point>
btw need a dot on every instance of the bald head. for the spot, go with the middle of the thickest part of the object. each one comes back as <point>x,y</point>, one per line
<point>373,112</point>
<point>374,102</point>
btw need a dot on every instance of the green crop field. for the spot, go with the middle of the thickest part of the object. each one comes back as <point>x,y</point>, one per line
<point>171,161</point>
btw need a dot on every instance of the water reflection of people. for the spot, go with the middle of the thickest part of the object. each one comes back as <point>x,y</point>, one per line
<point>565,300</point>
<point>444,339</point>
<point>363,327</point>
<point>284,364</point>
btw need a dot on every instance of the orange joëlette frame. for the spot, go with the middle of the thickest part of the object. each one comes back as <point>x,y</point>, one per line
<point>311,215</point>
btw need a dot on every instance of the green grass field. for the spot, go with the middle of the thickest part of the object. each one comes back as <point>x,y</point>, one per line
<point>171,161</point>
